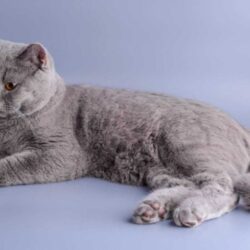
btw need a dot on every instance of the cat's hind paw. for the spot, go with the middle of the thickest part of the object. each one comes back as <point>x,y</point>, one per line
<point>188,217</point>
<point>150,211</point>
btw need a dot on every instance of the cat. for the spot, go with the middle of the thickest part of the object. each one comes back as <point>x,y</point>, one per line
<point>193,157</point>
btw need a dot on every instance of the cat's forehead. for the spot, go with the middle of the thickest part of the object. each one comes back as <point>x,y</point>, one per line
<point>9,50</point>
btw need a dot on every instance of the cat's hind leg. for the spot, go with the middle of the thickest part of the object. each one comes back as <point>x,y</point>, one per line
<point>159,204</point>
<point>189,202</point>
<point>214,197</point>
<point>168,193</point>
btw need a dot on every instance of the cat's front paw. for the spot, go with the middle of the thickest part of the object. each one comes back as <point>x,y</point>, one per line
<point>188,216</point>
<point>150,211</point>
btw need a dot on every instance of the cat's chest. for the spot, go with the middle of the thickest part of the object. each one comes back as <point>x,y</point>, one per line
<point>13,141</point>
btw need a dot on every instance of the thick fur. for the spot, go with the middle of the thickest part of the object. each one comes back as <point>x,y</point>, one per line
<point>194,157</point>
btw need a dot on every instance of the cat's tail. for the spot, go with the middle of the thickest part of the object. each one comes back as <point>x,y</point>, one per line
<point>242,187</point>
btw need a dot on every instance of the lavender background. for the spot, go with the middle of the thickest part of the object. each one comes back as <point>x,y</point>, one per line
<point>196,48</point>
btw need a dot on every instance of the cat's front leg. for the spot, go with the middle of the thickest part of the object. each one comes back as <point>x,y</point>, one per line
<point>31,166</point>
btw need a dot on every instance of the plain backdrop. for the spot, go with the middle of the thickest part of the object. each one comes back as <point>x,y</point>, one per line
<point>197,48</point>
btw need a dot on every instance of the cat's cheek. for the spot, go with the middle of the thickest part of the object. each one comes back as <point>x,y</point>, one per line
<point>25,107</point>
<point>23,101</point>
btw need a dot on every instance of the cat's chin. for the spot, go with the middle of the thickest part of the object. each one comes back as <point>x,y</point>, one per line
<point>14,113</point>
<point>7,116</point>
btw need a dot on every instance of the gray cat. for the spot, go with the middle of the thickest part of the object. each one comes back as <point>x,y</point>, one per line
<point>194,157</point>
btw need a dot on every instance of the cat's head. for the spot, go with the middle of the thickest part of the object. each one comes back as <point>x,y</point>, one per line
<point>27,78</point>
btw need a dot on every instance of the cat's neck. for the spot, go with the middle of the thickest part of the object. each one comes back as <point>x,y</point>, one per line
<point>55,99</point>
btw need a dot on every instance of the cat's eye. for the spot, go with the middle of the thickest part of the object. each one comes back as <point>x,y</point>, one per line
<point>9,86</point>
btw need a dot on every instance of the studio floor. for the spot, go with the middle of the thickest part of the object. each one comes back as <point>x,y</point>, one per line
<point>93,214</point>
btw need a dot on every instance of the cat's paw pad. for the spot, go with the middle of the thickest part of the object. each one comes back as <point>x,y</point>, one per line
<point>150,211</point>
<point>188,217</point>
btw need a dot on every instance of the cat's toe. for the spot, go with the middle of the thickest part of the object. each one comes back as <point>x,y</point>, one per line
<point>188,217</point>
<point>150,212</point>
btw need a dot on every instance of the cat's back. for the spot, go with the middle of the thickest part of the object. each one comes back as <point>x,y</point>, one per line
<point>126,110</point>
<point>97,97</point>
<point>147,105</point>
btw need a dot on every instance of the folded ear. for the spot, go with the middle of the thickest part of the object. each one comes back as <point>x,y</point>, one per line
<point>34,54</point>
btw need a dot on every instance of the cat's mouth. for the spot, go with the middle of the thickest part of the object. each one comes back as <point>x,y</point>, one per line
<point>10,111</point>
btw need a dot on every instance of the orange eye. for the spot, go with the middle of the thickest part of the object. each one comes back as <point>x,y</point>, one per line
<point>9,86</point>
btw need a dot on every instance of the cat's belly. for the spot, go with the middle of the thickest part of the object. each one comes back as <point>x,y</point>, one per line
<point>181,153</point>
<point>124,164</point>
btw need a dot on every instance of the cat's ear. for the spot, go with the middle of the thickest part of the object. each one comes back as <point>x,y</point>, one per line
<point>34,54</point>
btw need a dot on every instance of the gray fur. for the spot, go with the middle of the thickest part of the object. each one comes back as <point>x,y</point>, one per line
<point>194,157</point>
